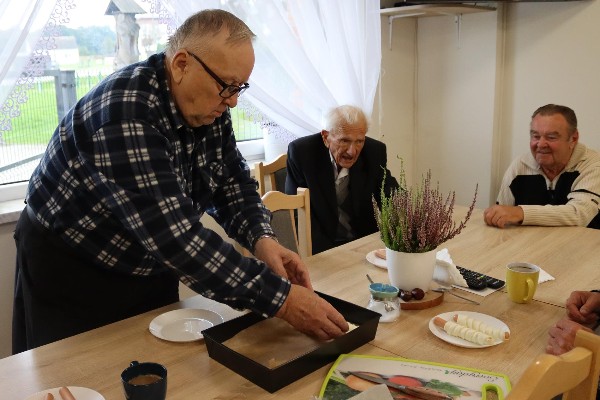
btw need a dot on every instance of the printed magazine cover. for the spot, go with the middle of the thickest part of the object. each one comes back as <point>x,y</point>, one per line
<point>459,383</point>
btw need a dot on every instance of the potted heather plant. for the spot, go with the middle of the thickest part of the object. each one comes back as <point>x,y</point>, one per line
<point>413,221</point>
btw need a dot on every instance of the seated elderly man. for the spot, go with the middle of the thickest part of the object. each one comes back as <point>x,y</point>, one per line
<point>343,169</point>
<point>557,184</point>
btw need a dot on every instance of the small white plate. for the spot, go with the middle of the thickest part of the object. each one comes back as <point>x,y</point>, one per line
<point>489,320</point>
<point>376,261</point>
<point>183,325</point>
<point>80,393</point>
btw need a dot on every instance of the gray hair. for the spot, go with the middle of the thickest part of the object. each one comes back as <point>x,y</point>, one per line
<point>206,24</point>
<point>344,115</point>
<point>566,112</point>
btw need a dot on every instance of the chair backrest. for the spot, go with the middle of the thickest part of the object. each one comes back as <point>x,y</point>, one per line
<point>574,373</point>
<point>275,172</point>
<point>296,238</point>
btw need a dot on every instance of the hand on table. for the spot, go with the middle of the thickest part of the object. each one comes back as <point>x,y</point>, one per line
<point>582,307</point>
<point>562,336</point>
<point>282,261</point>
<point>311,314</point>
<point>502,216</point>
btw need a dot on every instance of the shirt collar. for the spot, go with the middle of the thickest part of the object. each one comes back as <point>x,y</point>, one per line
<point>338,174</point>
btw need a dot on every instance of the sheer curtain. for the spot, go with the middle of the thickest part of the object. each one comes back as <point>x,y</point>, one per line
<point>28,29</point>
<point>311,55</point>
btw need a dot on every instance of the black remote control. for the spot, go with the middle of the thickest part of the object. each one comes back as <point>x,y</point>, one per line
<point>478,281</point>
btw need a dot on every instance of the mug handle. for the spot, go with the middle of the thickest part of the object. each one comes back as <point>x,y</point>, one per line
<point>530,290</point>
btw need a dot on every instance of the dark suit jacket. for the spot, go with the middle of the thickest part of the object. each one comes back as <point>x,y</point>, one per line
<point>309,166</point>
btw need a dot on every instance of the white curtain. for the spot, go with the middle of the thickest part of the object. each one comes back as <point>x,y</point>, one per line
<point>311,55</point>
<point>28,29</point>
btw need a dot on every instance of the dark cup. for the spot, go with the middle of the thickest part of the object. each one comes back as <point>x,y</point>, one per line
<point>145,381</point>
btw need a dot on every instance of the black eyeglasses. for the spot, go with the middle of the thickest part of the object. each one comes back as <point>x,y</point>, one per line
<point>228,90</point>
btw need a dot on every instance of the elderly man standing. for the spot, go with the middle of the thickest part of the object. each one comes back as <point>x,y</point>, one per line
<point>557,184</point>
<point>342,168</point>
<point>112,221</point>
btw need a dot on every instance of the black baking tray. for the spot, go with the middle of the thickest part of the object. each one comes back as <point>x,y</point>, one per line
<point>273,379</point>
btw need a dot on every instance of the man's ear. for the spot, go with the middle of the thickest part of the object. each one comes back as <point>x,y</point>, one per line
<point>179,66</point>
<point>575,137</point>
<point>324,135</point>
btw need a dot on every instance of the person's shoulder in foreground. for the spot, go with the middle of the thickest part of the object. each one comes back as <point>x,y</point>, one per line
<point>557,183</point>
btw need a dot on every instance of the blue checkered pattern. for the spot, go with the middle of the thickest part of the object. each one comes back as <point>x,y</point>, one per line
<point>125,181</point>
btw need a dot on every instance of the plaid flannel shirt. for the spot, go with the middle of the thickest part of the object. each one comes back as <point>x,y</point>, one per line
<point>125,181</point>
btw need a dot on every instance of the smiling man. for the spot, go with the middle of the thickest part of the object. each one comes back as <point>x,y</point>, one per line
<point>343,168</point>
<point>557,183</point>
<point>112,221</point>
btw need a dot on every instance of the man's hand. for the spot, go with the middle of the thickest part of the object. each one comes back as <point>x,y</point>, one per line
<point>562,336</point>
<point>502,216</point>
<point>582,307</point>
<point>310,314</point>
<point>282,261</point>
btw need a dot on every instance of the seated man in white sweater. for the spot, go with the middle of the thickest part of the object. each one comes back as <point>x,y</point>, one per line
<point>557,183</point>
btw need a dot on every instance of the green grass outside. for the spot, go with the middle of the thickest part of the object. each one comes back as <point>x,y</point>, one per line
<point>38,118</point>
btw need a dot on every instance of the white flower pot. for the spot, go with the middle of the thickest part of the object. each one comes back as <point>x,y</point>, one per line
<point>408,271</point>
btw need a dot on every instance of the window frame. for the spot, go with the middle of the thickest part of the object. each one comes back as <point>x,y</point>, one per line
<point>252,150</point>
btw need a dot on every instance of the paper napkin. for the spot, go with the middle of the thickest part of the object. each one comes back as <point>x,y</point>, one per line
<point>445,272</point>
<point>544,276</point>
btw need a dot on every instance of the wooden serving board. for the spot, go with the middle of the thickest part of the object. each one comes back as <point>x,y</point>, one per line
<point>431,299</point>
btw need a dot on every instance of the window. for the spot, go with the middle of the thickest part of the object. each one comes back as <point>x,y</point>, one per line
<point>84,54</point>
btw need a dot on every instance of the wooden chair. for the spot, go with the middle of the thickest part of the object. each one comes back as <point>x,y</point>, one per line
<point>296,238</point>
<point>276,173</point>
<point>574,373</point>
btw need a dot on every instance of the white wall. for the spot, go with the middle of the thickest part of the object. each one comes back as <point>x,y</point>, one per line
<point>455,108</point>
<point>393,120</point>
<point>439,100</point>
<point>552,56</point>
<point>473,98</point>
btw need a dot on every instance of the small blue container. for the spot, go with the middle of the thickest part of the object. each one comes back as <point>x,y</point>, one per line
<point>383,291</point>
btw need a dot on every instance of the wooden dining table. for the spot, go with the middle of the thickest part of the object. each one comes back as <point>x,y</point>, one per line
<point>95,359</point>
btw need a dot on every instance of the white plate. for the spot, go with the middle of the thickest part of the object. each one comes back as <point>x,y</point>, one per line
<point>376,261</point>
<point>489,320</point>
<point>183,325</point>
<point>80,393</point>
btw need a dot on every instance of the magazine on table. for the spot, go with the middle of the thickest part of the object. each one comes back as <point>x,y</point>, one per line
<point>350,376</point>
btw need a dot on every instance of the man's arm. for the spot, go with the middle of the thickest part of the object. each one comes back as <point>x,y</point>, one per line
<point>583,307</point>
<point>582,205</point>
<point>505,213</point>
<point>379,171</point>
<point>503,216</point>
<point>390,182</point>
<point>582,313</point>
<point>295,177</point>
